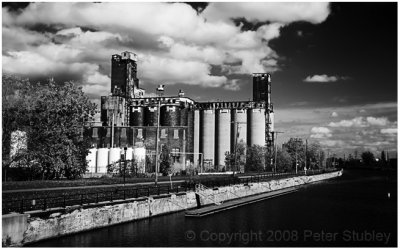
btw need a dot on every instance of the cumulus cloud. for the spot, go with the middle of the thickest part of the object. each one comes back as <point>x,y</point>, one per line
<point>18,38</point>
<point>361,122</point>
<point>179,50</point>
<point>334,114</point>
<point>355,122</point>
<point>177,45</point>
<point>389,131</point>
<point>380,121</point>
<point>97,78</point>
<point>275,12</point>
<point>320,132</point>
<point>324,78</point>
<point>333,143</point>
<point>39,64</point>
<point>171,71</point>
<point>375,134</point>
<point>232,84</point>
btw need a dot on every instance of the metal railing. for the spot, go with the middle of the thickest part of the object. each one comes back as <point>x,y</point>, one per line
<point>45,202</point>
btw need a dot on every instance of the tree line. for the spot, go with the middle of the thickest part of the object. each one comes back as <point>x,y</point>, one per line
<point>293,153</point>
<point>366,160</point>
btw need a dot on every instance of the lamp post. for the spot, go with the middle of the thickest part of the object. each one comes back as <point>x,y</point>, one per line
<point>276,140</point>
<point>160,90</point>
<point>157,139</point>
<point>296,143</point>
<point>236,138</point>
<point>112,131</point>
<point>125,149</point>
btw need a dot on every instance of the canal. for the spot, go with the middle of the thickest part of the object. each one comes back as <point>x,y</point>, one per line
<point>357,209</point>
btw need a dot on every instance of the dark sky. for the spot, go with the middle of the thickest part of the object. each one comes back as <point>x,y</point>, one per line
<point>334,66</point>
<point>358,40</point>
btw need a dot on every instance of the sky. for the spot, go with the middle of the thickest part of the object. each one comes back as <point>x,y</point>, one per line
<point>333,65</point>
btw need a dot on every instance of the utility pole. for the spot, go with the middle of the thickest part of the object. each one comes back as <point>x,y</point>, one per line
<point>160,89</point>
<point>319,159</point>
<point>125,149</point>
<point>305,157</point>
<point>298,142</point>
<point>276,142</point>
<point>328,159</point>
<point>112,130</point>
<point>157,139</point>
<point>296,160</point>
<point>334,160</point>
<point>236,138</point>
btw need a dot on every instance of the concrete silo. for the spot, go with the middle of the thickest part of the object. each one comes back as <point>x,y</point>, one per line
<point>136,117</point>
<point>151,114</point>
<point>207,136</point>
<point>256,126</point>
<point>239,122</point>
<point>223,136</point>
<point>102,160</point>
<point>91,159</point>
<point>170,115</point>
<point>196,136</point>
<point>184,113</point>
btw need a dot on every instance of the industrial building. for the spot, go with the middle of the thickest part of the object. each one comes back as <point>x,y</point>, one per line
<point>197,134</point>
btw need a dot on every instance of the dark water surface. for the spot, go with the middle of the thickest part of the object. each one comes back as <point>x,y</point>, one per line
<point>352,210</point>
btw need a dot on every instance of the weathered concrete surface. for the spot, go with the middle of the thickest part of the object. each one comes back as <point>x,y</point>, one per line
<point>90,218</point>
<point>13,227</point>
<point>221,194</point>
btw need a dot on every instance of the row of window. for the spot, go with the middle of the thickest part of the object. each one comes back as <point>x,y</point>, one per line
<point>163,134</point>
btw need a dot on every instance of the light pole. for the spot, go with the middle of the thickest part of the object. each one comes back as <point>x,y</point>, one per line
<point>157,139</point>
<point>276,142</point>
<point>159,90</point>
<point>305,159</point>
<point>296,142</point>
<point>125,149</point>
<point>236,138</point>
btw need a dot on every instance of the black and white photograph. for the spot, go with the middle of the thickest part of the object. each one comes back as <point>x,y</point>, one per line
<point>199,124</point>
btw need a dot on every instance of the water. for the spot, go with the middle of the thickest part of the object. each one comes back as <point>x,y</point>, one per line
<point>353,210</point>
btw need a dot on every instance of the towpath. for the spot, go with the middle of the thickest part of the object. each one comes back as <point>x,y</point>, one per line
<point>88,187</point>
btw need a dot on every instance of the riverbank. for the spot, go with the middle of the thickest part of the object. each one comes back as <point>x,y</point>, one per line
<point>26,228</point>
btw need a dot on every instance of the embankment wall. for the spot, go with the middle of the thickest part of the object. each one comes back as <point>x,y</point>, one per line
<point>20,229</point>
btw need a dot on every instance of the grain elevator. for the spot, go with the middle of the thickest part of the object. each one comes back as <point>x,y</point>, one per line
<point>197,134</point>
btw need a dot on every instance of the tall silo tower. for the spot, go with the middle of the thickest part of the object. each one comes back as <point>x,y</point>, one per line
<point>262,94</point>
<point>124,81</point>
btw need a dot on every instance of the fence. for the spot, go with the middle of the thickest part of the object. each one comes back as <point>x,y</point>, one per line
<point>65,200</point>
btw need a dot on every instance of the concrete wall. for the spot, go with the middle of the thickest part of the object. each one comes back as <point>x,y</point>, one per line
<point>23,230</point>
<point>13,228</point>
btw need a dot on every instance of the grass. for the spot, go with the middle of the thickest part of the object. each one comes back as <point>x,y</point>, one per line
<point>36,184</point>
<point>13,199</point>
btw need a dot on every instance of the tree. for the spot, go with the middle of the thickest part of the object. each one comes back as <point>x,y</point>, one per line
<point>283,161</point>
<point>15,99</point>
<point>296,149</point>
<point>315,156</point>
<point>230,162</point>
<point>255,158</point>
<point>53,117</point>
<point>165,160</point>
<point>368,159</point>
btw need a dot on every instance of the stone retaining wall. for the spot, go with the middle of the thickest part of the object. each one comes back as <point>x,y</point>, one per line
<point>19,230</point>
